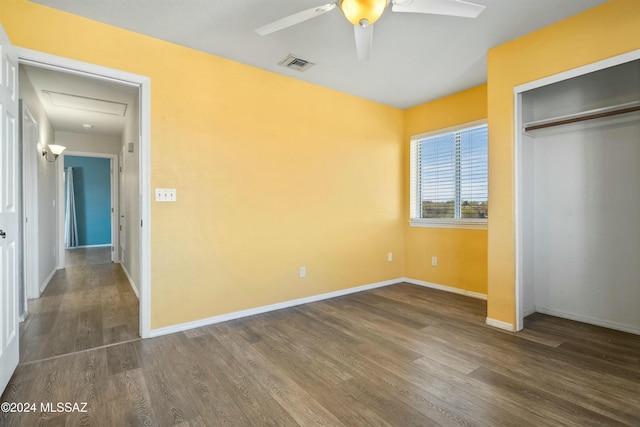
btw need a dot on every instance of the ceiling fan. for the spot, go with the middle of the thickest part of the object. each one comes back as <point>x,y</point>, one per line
<point>364,13</point>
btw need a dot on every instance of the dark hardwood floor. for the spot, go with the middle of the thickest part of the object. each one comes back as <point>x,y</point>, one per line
<point>83,307</point>
<point>395,356</point>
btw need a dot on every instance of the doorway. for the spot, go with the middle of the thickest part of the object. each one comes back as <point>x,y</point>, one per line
<point>90,302</point>
<point>576,169</point>
<point>90,192</point>
<point>140,144</point>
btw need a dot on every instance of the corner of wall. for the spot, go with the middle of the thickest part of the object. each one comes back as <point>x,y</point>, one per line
<point>462,253</point>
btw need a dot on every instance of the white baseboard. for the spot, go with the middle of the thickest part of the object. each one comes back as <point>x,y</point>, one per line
<point>446,288</point>
<point>590,320</point>
<point>258,310</point>
<point>500,324</point>
<point>44,285</point>
<point>131,282</point>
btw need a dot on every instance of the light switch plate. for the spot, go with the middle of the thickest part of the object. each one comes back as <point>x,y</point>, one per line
<point>165,194</point>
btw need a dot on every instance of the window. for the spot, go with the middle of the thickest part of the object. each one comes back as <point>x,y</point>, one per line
<point>449,177</point>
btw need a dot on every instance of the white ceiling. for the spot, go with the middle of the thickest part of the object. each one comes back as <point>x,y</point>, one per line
<point>416,57</point>
<point>86,95</point>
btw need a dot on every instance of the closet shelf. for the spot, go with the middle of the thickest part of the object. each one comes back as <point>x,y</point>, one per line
<point>582,116</point>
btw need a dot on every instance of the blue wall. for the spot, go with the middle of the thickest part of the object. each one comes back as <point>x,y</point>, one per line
<point>92,190</point>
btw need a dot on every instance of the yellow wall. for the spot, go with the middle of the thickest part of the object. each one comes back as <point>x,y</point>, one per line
<point>602,32</point>
<point>265,183</point>
<point>462,254</point>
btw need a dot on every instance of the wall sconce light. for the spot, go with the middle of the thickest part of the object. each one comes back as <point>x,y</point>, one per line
<point>56,150</point>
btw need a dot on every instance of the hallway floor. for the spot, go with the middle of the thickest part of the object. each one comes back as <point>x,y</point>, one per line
<point>83,307</point>
<point>87,256</point>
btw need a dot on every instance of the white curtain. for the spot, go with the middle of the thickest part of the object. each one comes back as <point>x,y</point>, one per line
<point>70,225</point>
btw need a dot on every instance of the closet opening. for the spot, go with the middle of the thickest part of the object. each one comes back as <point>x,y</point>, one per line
<point>577,195</point>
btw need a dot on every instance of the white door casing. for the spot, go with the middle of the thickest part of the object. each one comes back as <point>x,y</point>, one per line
<point>519,163</point>
<point>121,207</point>
<point>9,210</point>
<point>53,62</point>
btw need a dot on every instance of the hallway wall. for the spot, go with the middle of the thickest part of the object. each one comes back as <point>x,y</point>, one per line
<point>131,195</point>
<point>88,143</point>
<point>46,186</point>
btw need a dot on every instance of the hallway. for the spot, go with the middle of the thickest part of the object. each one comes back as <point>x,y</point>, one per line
<point>83,307</point>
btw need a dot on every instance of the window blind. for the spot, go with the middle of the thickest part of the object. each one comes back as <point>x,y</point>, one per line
<point>450,175</point>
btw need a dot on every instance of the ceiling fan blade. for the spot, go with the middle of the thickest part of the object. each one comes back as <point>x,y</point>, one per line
<point>364,41</point>
<point>439,7</point>
<point>294,19</point>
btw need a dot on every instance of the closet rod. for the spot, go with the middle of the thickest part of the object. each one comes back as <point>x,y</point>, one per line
<point>583,118</point>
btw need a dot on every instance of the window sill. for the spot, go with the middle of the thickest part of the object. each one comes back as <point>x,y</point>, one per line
<point>468,224</point>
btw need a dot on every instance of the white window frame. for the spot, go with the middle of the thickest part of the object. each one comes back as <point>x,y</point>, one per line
<point>466,223</point>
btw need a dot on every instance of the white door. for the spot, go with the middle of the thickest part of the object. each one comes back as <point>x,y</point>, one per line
<point>9,238</point>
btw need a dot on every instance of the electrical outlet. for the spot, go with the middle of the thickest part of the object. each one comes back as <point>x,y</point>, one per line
<point>390,256</point>
<point>303,272</point>
<point>165,194</point>
<point>434,261</point>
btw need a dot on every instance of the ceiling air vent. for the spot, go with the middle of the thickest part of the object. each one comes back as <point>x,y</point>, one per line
<point>295,63</point>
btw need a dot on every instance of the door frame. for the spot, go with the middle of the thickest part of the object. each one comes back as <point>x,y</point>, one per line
<point>520,160</point>
<point>71,66</point>
<point>121,223</point>
<point>113,194</point>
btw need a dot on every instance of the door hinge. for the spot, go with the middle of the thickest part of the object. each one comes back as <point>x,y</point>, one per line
<point>112,249</point>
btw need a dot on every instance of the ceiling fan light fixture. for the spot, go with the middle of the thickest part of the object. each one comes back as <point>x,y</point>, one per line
<point>362,12</point>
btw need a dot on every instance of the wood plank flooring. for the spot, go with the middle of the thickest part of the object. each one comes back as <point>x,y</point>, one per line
<point>395,356</point>
<point>83,307</point>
